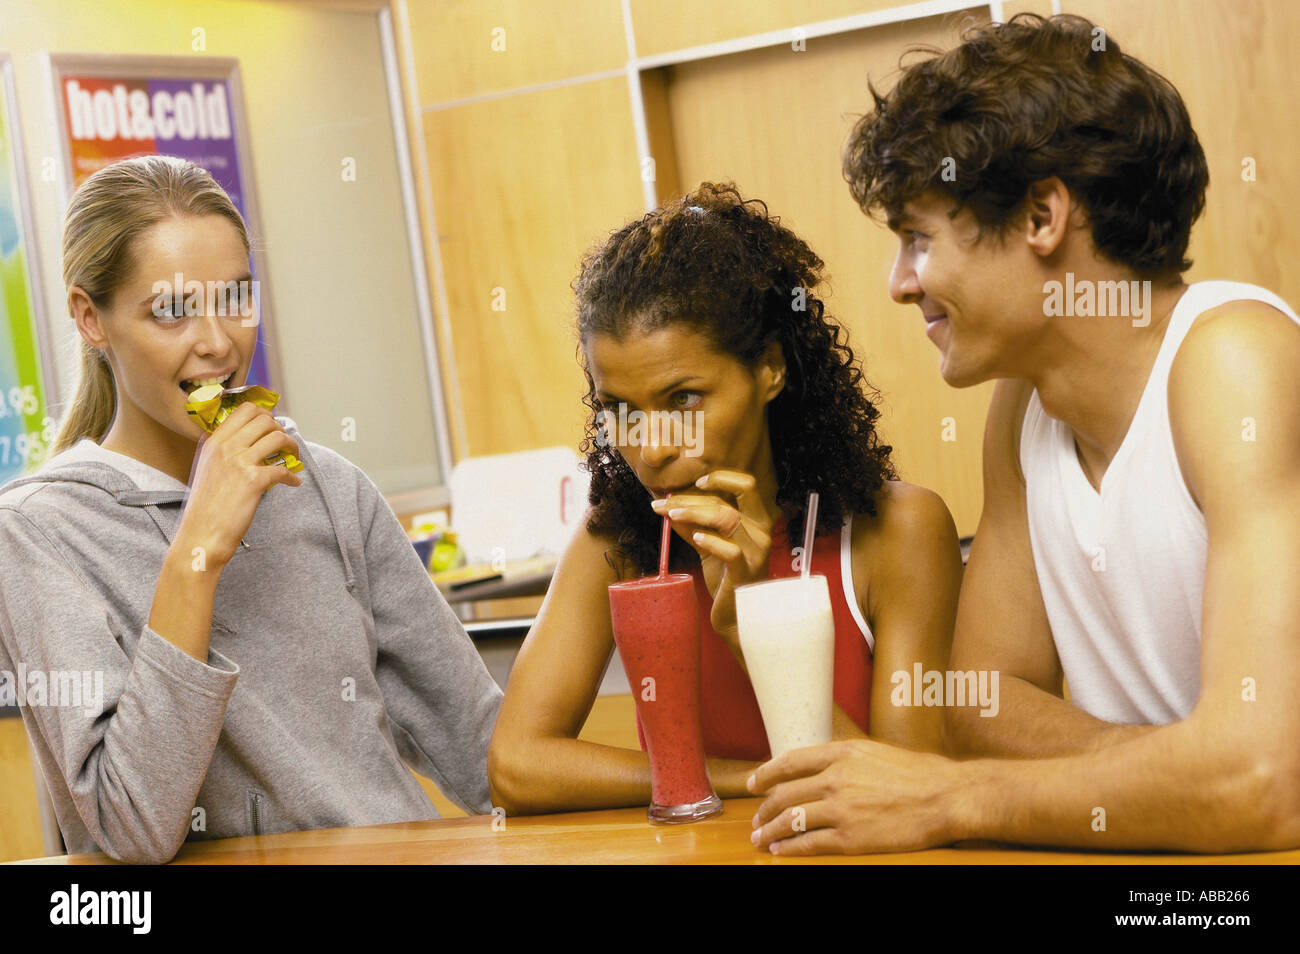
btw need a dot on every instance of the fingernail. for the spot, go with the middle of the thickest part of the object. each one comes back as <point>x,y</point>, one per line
<point>773,847</point>
<point>753,839</point>
<point>697,537</point>
<point>749,784</point>
<point>702,481</point>
<point>676,513</point>
<point>754,822</point>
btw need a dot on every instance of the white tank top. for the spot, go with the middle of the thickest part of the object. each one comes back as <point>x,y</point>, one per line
<point>1122,571</point>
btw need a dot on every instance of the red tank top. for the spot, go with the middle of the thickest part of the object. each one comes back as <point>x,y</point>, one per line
<point>729,714</point>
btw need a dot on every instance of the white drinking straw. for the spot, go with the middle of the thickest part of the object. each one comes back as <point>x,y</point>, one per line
<point>809,531</point>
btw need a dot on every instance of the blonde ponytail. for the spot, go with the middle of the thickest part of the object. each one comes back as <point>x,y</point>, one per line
<point>93,407</point>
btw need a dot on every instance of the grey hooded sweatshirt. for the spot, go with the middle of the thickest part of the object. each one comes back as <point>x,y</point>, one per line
<point>333,659</point>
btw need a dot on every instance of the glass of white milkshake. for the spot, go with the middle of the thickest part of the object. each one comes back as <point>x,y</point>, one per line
<point>787,634</point>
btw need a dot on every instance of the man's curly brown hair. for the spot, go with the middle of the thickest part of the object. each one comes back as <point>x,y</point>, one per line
<point>719,265</point>
<point>1024,100</point>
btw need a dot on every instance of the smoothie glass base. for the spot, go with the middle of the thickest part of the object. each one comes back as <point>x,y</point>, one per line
<point>677,814</point>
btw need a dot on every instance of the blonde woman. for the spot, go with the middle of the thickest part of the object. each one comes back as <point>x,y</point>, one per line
<point>260,650</point>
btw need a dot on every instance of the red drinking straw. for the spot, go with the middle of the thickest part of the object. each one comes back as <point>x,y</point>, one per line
<point>663,547</point>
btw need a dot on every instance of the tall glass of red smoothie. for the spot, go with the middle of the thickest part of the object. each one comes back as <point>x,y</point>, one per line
<point>657,631</point>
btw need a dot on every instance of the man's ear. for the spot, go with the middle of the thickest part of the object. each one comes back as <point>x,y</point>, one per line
<point>771,371</point>
<point>87,316</point>
<point>1049,215</point>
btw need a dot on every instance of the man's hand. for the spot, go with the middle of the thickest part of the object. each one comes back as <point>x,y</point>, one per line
<point>852,797</point>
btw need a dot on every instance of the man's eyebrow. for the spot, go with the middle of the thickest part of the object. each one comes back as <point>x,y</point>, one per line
<point>899,220</point>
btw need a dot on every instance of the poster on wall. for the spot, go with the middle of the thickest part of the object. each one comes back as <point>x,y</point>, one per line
<point>116,107</point>
<point>26,378</point>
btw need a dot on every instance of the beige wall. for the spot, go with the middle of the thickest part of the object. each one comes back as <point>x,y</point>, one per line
<point>339,276</point>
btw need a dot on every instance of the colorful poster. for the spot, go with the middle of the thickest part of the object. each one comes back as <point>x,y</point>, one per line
<point>25,431</point>
<point>113,117</point>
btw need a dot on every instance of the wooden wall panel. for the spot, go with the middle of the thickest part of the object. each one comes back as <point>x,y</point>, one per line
<point>523,186</point>
<point>775,121</point>
<point>545,40</point>
<point>659,130</point>
<point>1231,63</point>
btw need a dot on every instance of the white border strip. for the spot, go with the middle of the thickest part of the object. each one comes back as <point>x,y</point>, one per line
<point>860,21</point>
<point>415,245</point>
<point>649,193</point>
<point>443,315</point>
<point>520,90</point>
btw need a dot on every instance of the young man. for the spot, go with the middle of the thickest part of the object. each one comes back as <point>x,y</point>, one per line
<point>1141,524</point>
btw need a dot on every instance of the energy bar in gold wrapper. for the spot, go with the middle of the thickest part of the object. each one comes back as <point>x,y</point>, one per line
<point>210,405</point>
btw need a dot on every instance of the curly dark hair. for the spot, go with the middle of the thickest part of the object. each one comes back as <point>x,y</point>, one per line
<point>719,265</point>
<point>1024,100</point>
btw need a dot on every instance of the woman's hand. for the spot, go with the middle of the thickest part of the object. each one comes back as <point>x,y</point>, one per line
<point>229,481</point>
<point>731,530</point>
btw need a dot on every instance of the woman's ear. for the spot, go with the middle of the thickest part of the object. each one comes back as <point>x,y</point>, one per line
<point>87,316</point>
<point>771,371</point>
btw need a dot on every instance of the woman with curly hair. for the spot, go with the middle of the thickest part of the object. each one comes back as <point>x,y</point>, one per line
<point>704,312</point>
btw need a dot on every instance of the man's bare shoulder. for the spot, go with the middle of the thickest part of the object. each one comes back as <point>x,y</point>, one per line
<point>1236,377</point>
<point>1249,328</point>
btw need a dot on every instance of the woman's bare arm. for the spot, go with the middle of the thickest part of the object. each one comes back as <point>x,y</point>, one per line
<point>911,600</point>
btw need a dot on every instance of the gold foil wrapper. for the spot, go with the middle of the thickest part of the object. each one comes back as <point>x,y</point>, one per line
<point>210,405</point>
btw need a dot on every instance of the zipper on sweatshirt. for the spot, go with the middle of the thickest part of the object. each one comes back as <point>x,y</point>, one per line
<point>255,800</point>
